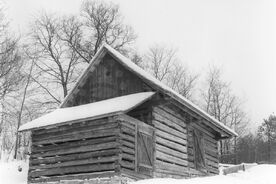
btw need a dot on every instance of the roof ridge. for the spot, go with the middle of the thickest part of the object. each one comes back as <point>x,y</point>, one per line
<point>147,76</point>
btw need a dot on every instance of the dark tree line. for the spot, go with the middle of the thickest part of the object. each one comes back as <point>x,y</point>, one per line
<point>259,148</point>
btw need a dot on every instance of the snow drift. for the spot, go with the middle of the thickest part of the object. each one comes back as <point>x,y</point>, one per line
<point>260,174</point>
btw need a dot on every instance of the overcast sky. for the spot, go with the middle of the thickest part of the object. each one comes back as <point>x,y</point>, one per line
<point>237,35</point>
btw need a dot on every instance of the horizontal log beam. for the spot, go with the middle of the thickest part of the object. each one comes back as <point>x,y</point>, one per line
<point>75,135</point>
<point>171,152</point>
<point>73,170</point>
<point>78,162</point>
<point>169,158</point>
<point>85,176</point>
<point>79,136</point>
<point>53,147</point>
<point>76,156</point>
<point>171,144</point>
<point>171,137</point>
<point>167,117</point>
<point>163,127</point>
<point>170,167</point>
<point>80,149</point>
<point>69,127</point>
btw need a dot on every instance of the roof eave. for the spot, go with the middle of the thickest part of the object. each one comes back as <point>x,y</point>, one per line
<point>225,129</point>
<point>73,121</point>
<point>105,48</point>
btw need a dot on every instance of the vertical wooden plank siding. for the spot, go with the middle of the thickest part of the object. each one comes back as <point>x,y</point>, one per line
<point>136,147</point>
<point>108,80</point>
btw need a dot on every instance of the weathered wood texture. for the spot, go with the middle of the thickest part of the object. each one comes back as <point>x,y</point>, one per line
<point>175,146</point>
<point>143,113</point>
<point>209,145</point>
<point>127,143</point>
<point>209,141</point>
<point>108,80</point>
<point>234,169</point>
<point>171,159</point>
<point>122,145</point>
<point>84,150</point>
<point>77,151</point>
<point>137,157</point>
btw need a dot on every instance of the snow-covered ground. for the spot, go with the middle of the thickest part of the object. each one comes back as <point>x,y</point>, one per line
<point>260,174</point>
<point>9,172</point>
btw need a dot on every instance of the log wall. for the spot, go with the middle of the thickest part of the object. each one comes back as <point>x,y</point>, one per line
<point>128,145</point>
<point>210,146</point>
<point>175,146</point>
<point>171,158</point>
<point>77,151</point>
<point>108,147</point>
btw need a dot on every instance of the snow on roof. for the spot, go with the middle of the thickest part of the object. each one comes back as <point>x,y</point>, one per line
<point>132,66</point>
<point>97,109</point>
<point>149,78</point>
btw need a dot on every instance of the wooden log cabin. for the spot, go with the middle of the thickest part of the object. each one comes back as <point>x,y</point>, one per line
<point>120,124</point>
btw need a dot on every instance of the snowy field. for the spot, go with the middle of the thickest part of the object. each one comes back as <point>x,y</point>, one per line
<point>9,173</point>
<point>260,174</point>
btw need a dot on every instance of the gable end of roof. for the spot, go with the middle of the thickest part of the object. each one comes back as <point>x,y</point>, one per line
<point>150,80</point>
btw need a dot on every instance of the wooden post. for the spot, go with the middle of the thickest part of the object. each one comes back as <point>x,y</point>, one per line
<point>154,150</point>
<point>136,147</point>
<point>235,150</point>
<point>119,142</point>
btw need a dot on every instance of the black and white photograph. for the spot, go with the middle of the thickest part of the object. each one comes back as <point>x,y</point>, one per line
<point>137,91</point>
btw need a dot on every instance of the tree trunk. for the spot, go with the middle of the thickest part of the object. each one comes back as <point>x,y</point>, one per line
<point>20,112</point>
<point>65,91</point>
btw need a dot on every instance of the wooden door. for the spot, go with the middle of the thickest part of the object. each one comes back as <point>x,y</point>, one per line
<point>199,150</point>
<point>145,149</point>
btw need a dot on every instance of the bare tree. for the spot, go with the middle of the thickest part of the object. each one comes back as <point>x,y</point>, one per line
<point>137,59</point>
<point>9,58</point>
<point>56,62</point>
<point>159,60</point>
<point>100,22</point>
<point>162,62</point>
<point>64,45</point>
<point>21,110</point>
<point>267,130</point>
<point>10,75</point>
<point>220,102</point>
<point>218,99</point>
<point>181,80</point>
